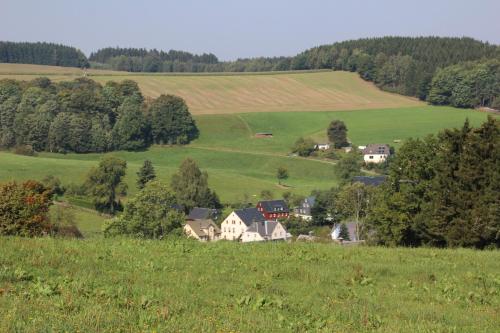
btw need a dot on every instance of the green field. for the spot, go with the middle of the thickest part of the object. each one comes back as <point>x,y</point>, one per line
<point>120,285</point>
<point>241,165</point>
<point>230,93</point>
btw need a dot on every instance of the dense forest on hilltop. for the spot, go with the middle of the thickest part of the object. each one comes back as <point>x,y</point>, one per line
<point>142,60</point>
<point>412,66</point>
<point>42,54</point>
<point>82,116</point>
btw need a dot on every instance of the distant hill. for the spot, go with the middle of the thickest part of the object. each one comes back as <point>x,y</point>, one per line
<point>237,93</point>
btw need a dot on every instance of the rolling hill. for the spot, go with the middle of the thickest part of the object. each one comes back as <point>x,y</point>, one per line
<point>238,93</point>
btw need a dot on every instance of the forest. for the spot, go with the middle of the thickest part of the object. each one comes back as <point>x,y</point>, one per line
<point>83,116</point>
<point>42,54</point>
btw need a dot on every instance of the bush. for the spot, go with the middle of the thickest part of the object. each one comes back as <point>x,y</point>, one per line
<point>304,147</point>
<point>24,209</point>
<point>25,150</point>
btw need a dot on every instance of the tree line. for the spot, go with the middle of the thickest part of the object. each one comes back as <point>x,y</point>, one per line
<point>83,116</point>
<point>42,54</point>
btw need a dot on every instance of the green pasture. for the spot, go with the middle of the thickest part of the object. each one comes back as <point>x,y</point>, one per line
<point>125,285</point>
<point>240,165</point>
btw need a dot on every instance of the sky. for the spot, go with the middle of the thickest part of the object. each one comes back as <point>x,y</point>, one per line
<point>234,29</point>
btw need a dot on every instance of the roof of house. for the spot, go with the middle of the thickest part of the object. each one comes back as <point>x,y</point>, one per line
<point>274,206</point>
<point>249,215</point>
<point>198,213</point>
<point>375,148</point>
<point>310,200</point>
<point>260,227</point>
<point>371,181</point>
<point>200,227</point>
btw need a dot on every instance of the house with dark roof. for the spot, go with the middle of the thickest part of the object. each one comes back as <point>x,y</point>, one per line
<point>239,221</point>
<point>369,181</point>
<point>273,209</point>
<point>376,153</point>
<point>198,213</point>
<point>202,230</point>
<point>264,231</point>
<point>304,209</point>
<point>250,225</point>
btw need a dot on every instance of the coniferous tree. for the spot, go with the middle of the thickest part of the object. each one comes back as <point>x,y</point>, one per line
<point>145,174</point>
<point>337,134</point>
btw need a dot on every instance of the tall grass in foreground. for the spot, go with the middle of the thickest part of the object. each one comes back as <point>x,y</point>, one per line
<point>125,285</point>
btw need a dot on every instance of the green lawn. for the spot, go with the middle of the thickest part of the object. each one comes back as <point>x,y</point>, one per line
<point>123,285</point>
<point>241,165</point>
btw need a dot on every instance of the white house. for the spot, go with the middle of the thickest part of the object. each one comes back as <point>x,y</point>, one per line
<point>322,146</point>
<point>264,231</point>
<point>249,225</point>
<point>376,153</point>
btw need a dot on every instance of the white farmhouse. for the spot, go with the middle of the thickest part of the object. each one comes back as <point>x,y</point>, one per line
<point>376,153</point>
<point>249,225</point>
<point>264,231</point>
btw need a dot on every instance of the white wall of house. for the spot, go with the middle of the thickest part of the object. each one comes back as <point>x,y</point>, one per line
<point>232,227</point>
<point>279,232</point>
<point>190,233</point>
<point>249,236</point>
<point>374,158</point>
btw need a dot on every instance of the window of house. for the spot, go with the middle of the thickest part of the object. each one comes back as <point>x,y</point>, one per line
<point>371,157</point>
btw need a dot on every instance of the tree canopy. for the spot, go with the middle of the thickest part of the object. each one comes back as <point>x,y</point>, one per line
<point>82,116</point>
<point>149,214</point>
<point>105,184</point>
<point>442,191</point>
<point>190,186</point>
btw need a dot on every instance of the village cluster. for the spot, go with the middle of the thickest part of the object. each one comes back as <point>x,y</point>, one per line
<point>262,223</point>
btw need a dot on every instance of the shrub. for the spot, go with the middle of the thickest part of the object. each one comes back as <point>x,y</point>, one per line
<point>25,150</point>
<point>24,209</point>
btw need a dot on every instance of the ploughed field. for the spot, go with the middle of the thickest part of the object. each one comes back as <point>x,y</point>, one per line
<point>236,93</point>
<point>183,286</point>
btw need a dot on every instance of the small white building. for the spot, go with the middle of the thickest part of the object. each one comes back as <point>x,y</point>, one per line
<point>264,231</point>
<point>376,153</point>
<point>322,146</point>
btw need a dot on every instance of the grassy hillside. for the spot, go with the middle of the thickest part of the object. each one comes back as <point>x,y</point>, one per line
<point>240,164</point>
<point>216,94</point>
<point>181,286</point>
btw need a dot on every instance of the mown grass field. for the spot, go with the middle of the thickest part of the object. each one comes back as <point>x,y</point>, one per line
<point>123,285</point>
<point>257,92</point>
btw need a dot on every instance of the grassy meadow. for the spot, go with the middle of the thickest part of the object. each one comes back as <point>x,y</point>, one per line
<point>124,285</point>
<point>240,165</point>
<point>242,93</point>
